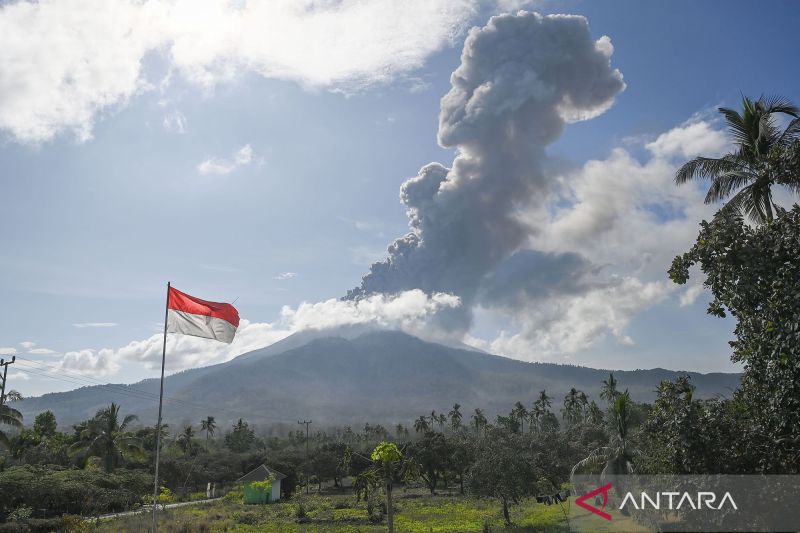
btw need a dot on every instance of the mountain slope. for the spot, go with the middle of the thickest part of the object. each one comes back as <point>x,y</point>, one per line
<point>382,376</point>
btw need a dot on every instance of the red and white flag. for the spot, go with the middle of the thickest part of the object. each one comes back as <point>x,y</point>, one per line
<point>192,316</point>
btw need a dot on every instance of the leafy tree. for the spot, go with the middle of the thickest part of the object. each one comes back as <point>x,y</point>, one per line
<point>387,465</point>
<point>509,423</point>
<point>432,454</point>
<point>241,438</point>
<point>501,470</point>
<point>108,439</point>
<point>690,436</point>
<point>208,425</point>
<point>44,425</point>
<point>754,274</point>
<point>11,417</point>
<point>617,457</point>
<point>764,156</point>
<point>14,396</point>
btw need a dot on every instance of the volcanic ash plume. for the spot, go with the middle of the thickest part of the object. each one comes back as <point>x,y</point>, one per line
<point>521,79</point>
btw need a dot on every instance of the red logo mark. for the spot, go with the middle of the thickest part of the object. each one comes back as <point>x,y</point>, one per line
<point>581,502</point>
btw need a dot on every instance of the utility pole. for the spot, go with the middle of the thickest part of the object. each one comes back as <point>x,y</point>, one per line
<point>307,423</point>
<point>5,364</point>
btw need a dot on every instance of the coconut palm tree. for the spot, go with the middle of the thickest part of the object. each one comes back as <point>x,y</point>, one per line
<point>421,424</point>
<point>10,417</point>
<point>479,420</point>
<point>455,417</point>
<point>617,457</point>
<point>609,391</point>
<point>764,155</point>
<point>208,425</point>
<point>105,437</point>
<point>540,408</point>
<point>186,440</point>
<point>520,413</point>
<point>572,410</point>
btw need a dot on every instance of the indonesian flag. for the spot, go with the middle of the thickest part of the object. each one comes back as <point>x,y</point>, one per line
<point>192,316</point>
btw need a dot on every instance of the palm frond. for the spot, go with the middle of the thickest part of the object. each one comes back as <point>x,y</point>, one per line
<point>738,127</point>
<point>791,134</point>
<point>779,104</point>
<point>725,184</point>
<point>705,167</point>
<point>592,462</point>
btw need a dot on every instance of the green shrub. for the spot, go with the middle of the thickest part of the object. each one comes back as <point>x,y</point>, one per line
<point>23,512</point>
<point>71,491</point>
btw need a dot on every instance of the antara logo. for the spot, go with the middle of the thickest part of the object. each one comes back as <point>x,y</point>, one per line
<point>581,502</point>
<point>671,500</point>
<point>700,500</point>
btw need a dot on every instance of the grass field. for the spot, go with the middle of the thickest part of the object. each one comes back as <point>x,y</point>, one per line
<point>415,512</point>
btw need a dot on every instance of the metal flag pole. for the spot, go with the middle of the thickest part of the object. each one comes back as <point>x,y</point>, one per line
<point>160,403</point>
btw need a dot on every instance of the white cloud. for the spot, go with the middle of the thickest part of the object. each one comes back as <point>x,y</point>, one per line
<point>241,157</point>
<point>17,376</point>
<point>694,138</point>
<point>691,294</point>
<point>95,325</point>
<point>63,63</point>
<point>176,122</point>
<point>90,362</point>
<point>42,351</point>
<point>409,311</point>
<point>7,351</point>
<point>27,344</point>
<point>568,324</point>
<point>285,275</point>
<point>628,219</point>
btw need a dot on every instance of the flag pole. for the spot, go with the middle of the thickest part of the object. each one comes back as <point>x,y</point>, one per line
<point>160,403</point>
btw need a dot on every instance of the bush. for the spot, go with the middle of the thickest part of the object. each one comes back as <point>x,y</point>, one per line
<point>70,491</point>
<point>39,525</point>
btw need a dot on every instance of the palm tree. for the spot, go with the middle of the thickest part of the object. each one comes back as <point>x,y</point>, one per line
<point>572,406</point>
<point>520,413</point>
<point>763,156</point>
<point>186,439</point>
<point>421,424</point>
<point>11,417</point>
<point>479,420</point>
<point>104,436</point>
<point>455,417</point>
<point>208,425</point>
<point>617,457</point>
<point>609,391</point>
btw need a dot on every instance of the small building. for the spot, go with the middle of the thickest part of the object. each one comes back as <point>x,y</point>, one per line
<point>261,473</point>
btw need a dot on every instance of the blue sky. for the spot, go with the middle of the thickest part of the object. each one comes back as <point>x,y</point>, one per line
<point>276,185</point>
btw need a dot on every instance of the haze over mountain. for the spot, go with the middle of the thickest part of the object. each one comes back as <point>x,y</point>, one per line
<point>352,376</point>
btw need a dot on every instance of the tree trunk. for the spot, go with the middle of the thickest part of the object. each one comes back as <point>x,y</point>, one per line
<point>505,512</point>
<point>389,509</point>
